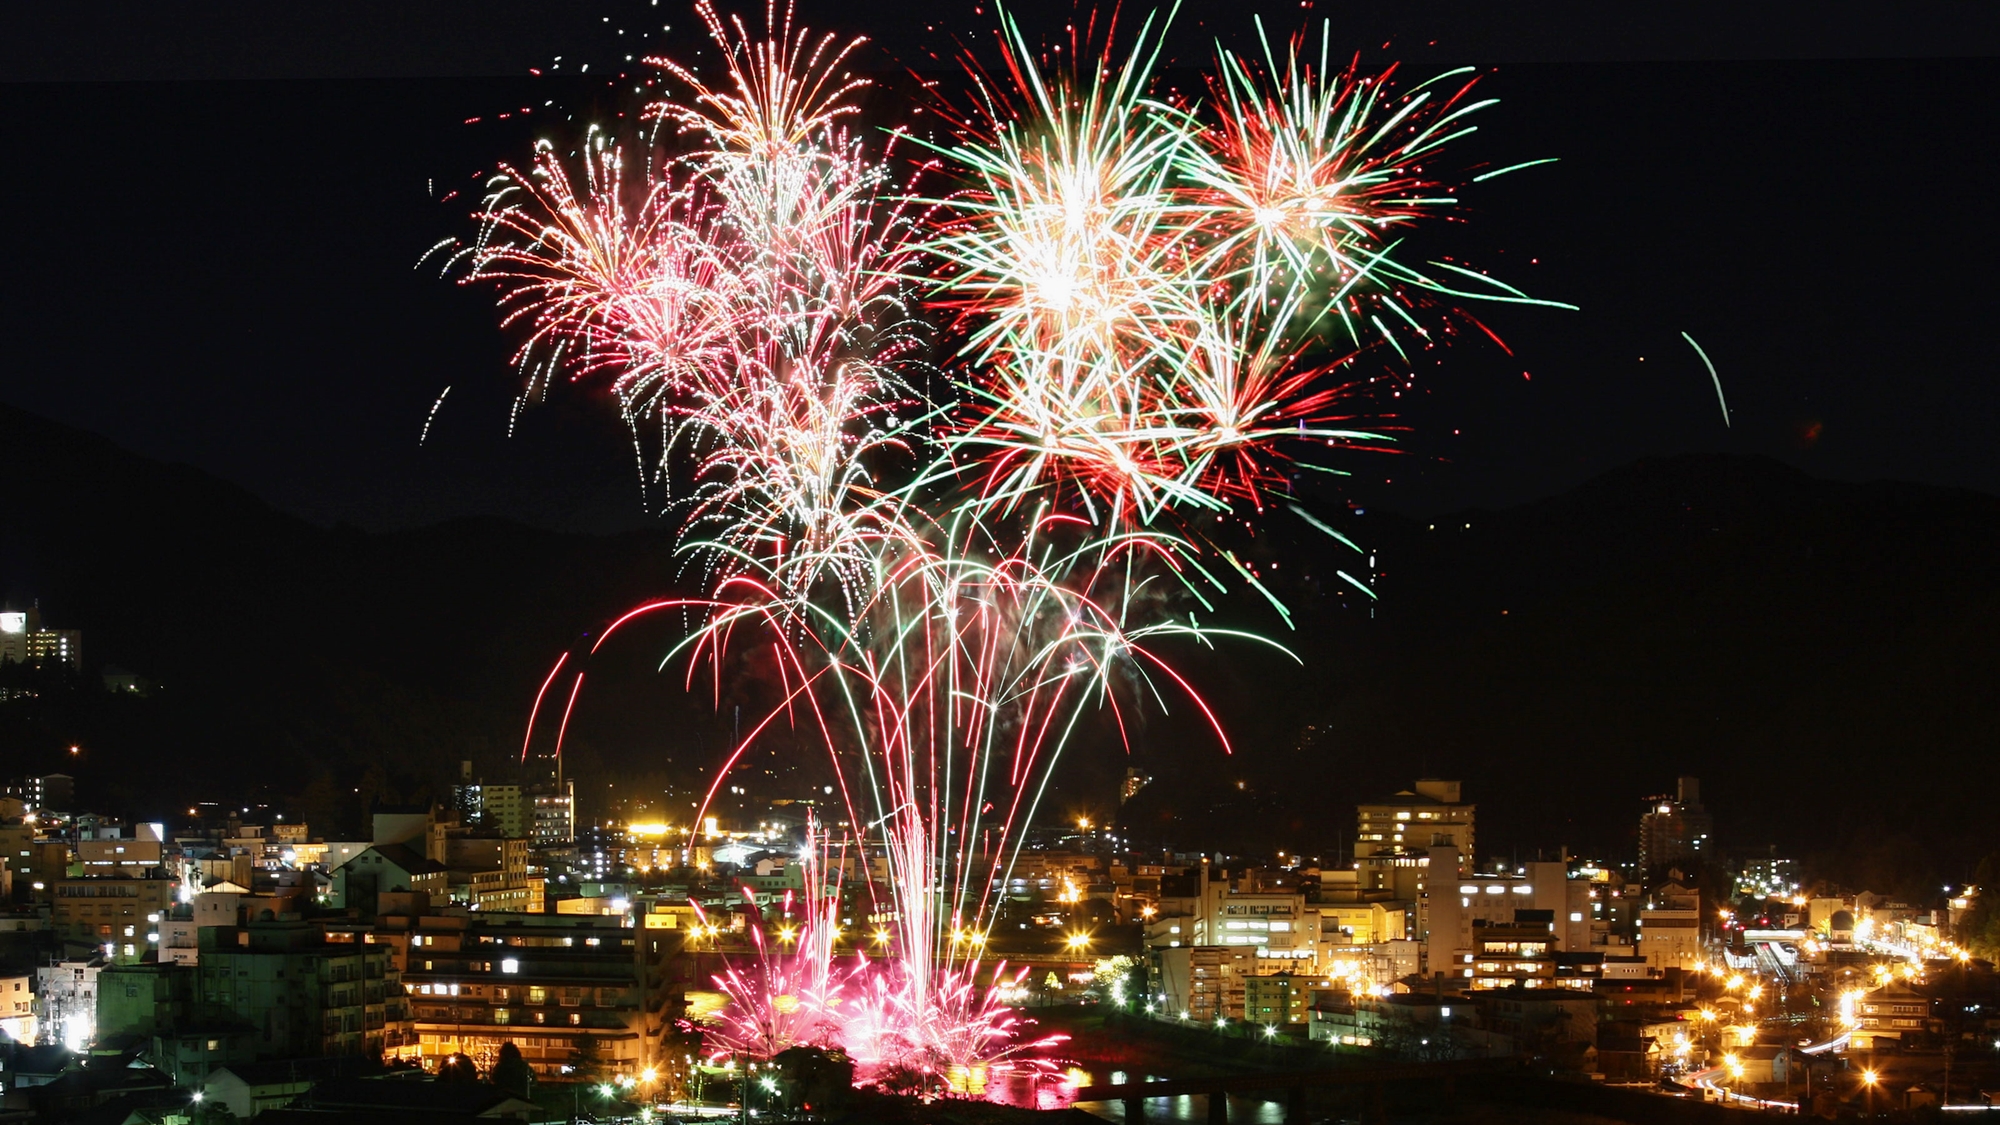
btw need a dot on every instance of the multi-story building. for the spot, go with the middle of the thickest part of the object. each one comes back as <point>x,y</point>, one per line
<point>24,641</point>
<point>1204,983</point>
<point>1886,1015</point>
<point>1416,1023</point>
<point>1544,892</point>
<point>503,809</point>
<point>1768,876</point>
<point>489,872</point>
<point>387,869</point>
<point>1413,821</point>
<point>1215,907</point>
<point>180,928</point>
<point>144,999</point>
<point>35,865</point>
<point>303,995</point>
<point>1669,928</point>
<point>118,914</point>
<point>1675,828</point>
<point>491,808</point>
<point>1394,837</point>
<point>1273,924</point>
<point>554,816</point>
<point>17,1007</point>
<point>1276,998</point>
<point>136,855</point>
<point>66,1001</point>
<point>1356,923</point>
<point>1524,955</point>
<point>545,983</point>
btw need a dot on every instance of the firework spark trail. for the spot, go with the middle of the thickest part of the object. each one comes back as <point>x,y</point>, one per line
<point>949,699</point>
<point>790,996</point>
<point>1150,303</point>
<point>1147,292</point>
<point>432,416</point>
<point>1720,401</point>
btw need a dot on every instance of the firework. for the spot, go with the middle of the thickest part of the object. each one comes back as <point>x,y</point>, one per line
<point>1155,300</point>
<point>789,996</point>
<point>1149,306</point>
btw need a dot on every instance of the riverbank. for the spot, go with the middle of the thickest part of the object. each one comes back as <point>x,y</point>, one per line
<point>1134,1048</point>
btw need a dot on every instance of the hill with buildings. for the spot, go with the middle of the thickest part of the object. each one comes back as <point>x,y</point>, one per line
<point>1794,641</point>
<point>281,658</point>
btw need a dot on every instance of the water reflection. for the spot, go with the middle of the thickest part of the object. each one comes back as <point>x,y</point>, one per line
<point>1042,1084</point>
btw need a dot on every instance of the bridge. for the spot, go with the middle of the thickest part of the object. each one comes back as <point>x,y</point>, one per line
<point>1292,1084</point>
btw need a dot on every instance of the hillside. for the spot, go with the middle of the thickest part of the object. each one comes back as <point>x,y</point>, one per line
<point>1822,654</point>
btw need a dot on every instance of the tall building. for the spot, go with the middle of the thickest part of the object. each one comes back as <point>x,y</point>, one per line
<point>1675,828</point>
<point>305,996</point>
<point>494,808</point>
<point>24,641</point>
<point>502,810</point>
<point>465,795</point>
<point>1394,835</point>
<point>555,816</point>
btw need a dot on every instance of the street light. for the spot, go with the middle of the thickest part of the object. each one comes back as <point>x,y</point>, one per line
<point>1079,941</point>
<point>1868,1084</point>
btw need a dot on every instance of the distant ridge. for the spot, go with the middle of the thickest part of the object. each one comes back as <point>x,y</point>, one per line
<point>1826,655</point>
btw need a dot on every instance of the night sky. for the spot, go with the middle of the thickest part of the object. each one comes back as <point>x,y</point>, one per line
<point>216,211</point>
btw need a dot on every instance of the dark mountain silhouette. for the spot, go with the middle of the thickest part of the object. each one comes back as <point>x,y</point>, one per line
<point>1823,654</point>
<point>286,653</point>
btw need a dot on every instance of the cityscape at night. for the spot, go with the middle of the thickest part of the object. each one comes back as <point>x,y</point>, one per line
<point>972,564</point>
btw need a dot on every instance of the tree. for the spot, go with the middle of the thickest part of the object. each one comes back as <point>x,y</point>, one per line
<point>818,1079</point>
<point>1979,927</point>
<point>586,1063</point>
<point>458,1069</point>
<point>512,1073</point>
